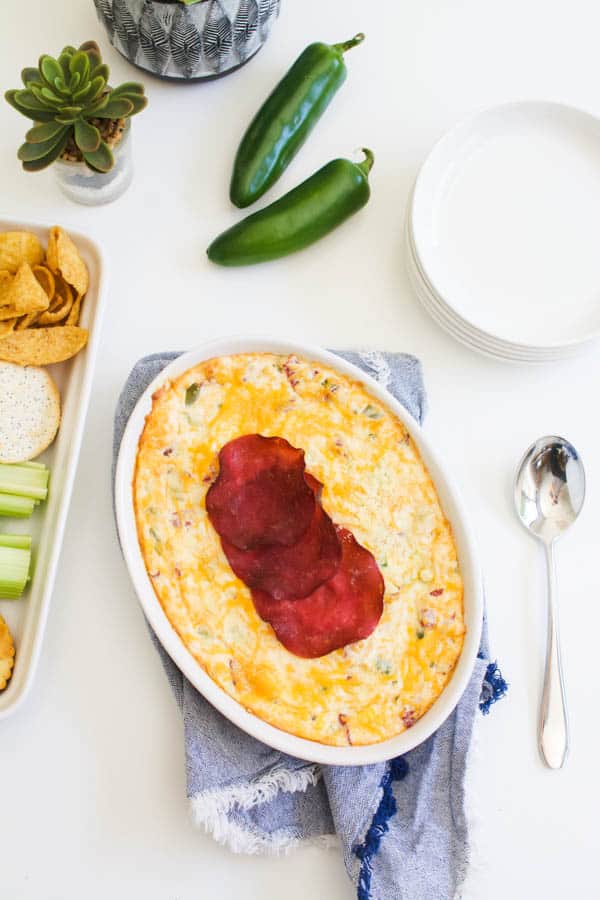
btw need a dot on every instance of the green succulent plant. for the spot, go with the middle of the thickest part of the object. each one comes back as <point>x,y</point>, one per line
<point>61,96</point>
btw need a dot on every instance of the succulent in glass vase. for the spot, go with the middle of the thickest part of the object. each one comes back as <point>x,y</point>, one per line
<point>81,123</point>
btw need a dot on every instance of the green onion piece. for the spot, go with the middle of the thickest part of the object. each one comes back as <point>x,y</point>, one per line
<point>191,395</point>
<point>14,572</point>
<point>24,480</point>
<point>19,541</point>
<point>16,507</point>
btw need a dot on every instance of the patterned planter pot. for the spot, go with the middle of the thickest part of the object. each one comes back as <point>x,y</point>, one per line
<point>173,40</point>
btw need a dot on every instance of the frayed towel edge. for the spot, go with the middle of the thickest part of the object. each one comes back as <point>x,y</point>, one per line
<point>252,843</point>
<point>211,809</point>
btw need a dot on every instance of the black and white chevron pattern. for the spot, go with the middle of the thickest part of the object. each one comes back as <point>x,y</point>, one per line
<point>217,36</point>
<point>126,28</point>
<point>106,15</point>
<point>244,26</point>
<point>267,11</point>
<point>181,41</point>
<point>154,38</point>
<point>186,43</point>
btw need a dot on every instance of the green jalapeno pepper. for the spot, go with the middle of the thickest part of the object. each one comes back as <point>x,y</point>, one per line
<point>299,218</point>
<point>283,123</point>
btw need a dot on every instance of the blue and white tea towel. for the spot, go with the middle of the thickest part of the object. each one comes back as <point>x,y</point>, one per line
<point>402,824</point>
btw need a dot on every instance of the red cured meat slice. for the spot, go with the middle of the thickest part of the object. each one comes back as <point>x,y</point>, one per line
<point>290,572</point>
<point>344,609</point>
<point>314,484</point>
<point>261,496</point>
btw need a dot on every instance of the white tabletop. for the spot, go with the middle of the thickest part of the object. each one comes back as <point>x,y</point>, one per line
<point>92,789</point>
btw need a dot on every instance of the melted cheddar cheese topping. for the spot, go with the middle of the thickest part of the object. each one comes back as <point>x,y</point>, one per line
<point>375,484</point>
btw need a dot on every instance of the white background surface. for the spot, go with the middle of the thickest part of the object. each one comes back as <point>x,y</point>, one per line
<point>92,792</point>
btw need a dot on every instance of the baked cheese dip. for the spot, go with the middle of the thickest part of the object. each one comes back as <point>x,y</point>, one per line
<point>374,484</point>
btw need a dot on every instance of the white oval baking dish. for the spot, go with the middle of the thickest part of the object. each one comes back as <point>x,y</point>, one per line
<point>451,504</point>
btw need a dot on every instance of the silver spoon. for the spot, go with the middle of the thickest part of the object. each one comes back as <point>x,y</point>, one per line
<point>549,494</point>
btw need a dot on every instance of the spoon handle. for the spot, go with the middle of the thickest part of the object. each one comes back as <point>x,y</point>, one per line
<point>554,726</point>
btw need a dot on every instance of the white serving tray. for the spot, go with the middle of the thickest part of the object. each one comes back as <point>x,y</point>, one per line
<point>26,617</point>
<point>452,506</point>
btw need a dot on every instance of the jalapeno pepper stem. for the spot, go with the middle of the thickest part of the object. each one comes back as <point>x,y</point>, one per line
<point>353,42</point>
<point>367,164</point>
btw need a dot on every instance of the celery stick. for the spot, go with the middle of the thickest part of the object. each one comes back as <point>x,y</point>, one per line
<point>16,507</point>
<point>32,465</point>
<point>14,572</point>
<point>19,541</point>
<point>24,481</point>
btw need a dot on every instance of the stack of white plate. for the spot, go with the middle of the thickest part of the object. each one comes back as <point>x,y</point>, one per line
<point>503,232</point>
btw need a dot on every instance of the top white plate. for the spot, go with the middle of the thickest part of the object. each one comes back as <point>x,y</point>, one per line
<point>505,220</point>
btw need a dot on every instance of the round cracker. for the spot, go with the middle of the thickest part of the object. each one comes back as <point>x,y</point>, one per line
<point>29,412</point>
<point>7,654</point>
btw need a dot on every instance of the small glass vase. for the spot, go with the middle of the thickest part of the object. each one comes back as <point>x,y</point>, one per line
<point>83,185</point>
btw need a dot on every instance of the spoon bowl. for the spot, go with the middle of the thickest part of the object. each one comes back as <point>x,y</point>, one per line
<point>550,487</point>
